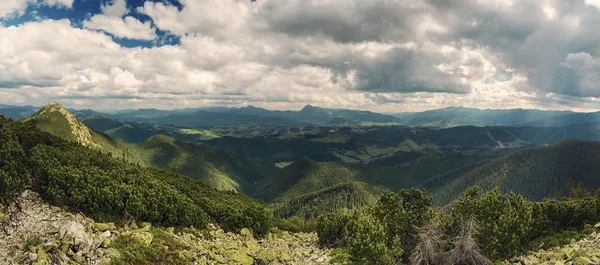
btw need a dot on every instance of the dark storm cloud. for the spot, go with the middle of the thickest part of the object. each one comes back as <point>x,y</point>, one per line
<point>528,39</point>
<point>522,35</point>
<point>342,21</point>
<point>407,71</point>
<point>402,70</point>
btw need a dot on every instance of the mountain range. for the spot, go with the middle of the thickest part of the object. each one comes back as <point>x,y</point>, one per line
<point>349,172</point>
<point>312,115</point>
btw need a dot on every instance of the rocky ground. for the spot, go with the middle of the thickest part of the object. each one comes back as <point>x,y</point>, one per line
<point>582,252</point>
<point>33,232</point>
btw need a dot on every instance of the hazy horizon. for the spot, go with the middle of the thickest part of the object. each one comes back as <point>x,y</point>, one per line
<point>75,107</point>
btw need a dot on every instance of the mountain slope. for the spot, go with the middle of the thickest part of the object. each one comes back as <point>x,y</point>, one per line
<point>204,119</point>
<point>339,198</point>
<point>57,120</point>
<point>130,132</point>
<point>17,112</point>
<point>568,119</point>
<point>70,175</point>
<point>536,173</point>
<point>211,165</point>
<point>458,116</point>
<point>250,115</point>
<point>216,168</point>
<point>305,176</point>
<point>312,114</point>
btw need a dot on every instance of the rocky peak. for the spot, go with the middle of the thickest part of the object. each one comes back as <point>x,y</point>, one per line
<point>56,117</point>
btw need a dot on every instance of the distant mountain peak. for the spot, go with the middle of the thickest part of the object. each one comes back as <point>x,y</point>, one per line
<point>56,119</point>
<point>311,108</point>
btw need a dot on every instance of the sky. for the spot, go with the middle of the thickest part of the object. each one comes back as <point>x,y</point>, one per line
<point>378,55</point>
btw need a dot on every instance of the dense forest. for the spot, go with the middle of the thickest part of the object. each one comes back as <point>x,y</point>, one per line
<point>535,173</point>
<point>338,198</point>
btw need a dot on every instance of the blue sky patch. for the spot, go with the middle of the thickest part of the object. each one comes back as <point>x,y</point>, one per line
<point>84,9</point>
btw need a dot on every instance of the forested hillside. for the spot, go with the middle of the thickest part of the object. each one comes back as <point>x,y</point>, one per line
<point>132,133</point>
<point>305,176</point>
<point>535,173</point>
<point>215,167</point>
<point>70,175</point>
<point>340,198</point>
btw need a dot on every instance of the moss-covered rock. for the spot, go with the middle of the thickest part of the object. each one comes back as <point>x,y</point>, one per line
<point>582,252</point>
<point>102,227</point>
<point>144,237</point>
<point>42,256</point>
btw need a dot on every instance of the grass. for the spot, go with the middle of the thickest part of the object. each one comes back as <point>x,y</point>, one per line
<point>32,242</point>
<point>560,238</point>
<point>164,249</point>
<point>205,134</point>
<point>297,224</point>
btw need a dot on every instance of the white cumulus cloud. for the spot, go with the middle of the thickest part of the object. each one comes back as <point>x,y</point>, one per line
<point>111,21</point>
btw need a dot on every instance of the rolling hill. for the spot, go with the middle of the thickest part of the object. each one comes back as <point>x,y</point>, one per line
<point>306,176</point>
<point>130,132</point>
<point>216,168</point>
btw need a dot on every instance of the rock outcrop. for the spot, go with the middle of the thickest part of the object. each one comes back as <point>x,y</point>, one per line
<point>33,232</point>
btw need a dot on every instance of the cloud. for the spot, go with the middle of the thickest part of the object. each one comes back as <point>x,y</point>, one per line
<point>129,27</point>
<point>111,21</point>
<point>378,55</point>
<point>226,19</point>
<point>118,8</point>
<point>422,68</point>
<point>59,3</point>
<point>10,8</point>
<point>578,75</point>
<point>594,3</point>
<point>343,21</point>
<point>16,8</point>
